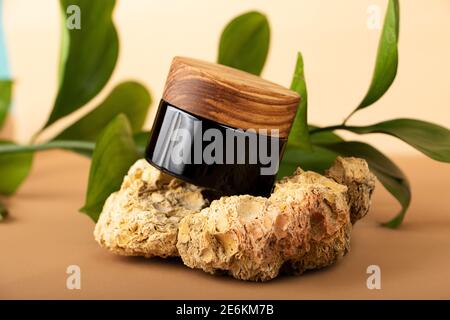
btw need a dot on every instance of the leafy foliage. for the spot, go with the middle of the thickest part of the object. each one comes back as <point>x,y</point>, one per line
<point>112,132</point>
<point>315,148</point>
<point>429,138</point>
<point>387,57</point>
<point>299,135</point>
<point>14,168</point>
<point>244,43</point>
<point>130,98</point>
<point>114,153</point>
<point>387,172</point>
<point>89,58</point>
<point>5,99</point>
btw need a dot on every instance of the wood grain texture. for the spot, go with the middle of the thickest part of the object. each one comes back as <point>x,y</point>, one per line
<point>229,96</point>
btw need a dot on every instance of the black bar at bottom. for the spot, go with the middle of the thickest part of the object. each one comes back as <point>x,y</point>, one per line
<point>228,309</point>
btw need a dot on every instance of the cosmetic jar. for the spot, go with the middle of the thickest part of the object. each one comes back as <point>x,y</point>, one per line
<point>221,128</point>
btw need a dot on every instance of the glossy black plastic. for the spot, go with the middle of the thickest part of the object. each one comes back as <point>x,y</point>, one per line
<point>224,177</point>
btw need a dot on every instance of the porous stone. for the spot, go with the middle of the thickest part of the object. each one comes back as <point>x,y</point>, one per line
<point>251,238</point>
<point>241,236</point>
<point>141,219</point>
<point>305,224</point>
<point>355,174</point>
<point>327,211</point>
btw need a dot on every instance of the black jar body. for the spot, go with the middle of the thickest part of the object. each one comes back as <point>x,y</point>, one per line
<point>226,160</point>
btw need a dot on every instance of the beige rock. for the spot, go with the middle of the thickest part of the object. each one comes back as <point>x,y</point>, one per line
<point>355,174</point>
<point>141,219</point>
<point>305,224</point>
<point>251,238</point>
<point>242,236</point>
<point>327,210</point>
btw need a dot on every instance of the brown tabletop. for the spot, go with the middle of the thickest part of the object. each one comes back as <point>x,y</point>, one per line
<point>45,233</point>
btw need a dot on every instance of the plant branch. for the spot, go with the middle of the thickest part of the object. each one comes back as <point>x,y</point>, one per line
<point>34,137</point>
<point>348,117</point>
<point>57,144</point>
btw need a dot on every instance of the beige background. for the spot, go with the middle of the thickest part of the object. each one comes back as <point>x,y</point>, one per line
<point>45,234</point>
<point>338,47</point>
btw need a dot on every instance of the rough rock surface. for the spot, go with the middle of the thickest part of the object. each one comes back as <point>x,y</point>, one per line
<point>142,217</point>
<point>251,238</point>
<point>247,237</point>
<point>326,208</point>
<point>355,174</point>
<point>305,224</point>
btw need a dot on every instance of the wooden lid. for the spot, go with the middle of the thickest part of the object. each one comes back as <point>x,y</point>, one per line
<point>230,96</point>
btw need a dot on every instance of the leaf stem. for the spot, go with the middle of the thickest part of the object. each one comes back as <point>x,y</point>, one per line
<point>57,144</point>
<point>34,137</point>
<point>330,128</point>
<point>348,117</point>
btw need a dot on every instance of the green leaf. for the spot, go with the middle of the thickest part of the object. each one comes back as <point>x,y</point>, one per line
<point>389,174</point>
<point>3,212</point>
<point>317,159</point>
<point>64,45</point>
<point>429,138</point>
<point>14,168</point>
<point>5,99</point>
<point>114,153</point>
<point>90,59</point>
<point>141,140</point>
<point>387,57</point>
<point>129,98</point>
<point>323,137</point>
<point>299,135</point>
<point>244,43</point>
